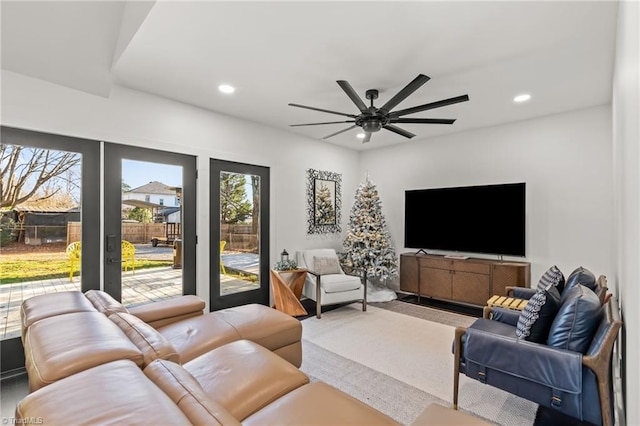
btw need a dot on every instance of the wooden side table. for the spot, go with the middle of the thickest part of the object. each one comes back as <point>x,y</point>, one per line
<point>287,290</point>
<point>507,302</point>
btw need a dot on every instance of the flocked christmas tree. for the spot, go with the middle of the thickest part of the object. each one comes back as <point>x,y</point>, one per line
<point>368,243</point>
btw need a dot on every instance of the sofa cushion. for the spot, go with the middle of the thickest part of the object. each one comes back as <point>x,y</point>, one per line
<point>185,391</point>
<point>536,317</point>
<point>104,303</point>
<point>243,377</point>
<point>151,343</point>
<point>320,404</point>
<point>51,304</point>
<point>57,347</point>
<point>553,276</point>
<point>326,265</point>
<point>164,312</point>
<point>583,277</point>
<point>117,393</point>
<point>198,335</point>
<point>263,325</point>
<point>338,283</point>
<point>576,321</point>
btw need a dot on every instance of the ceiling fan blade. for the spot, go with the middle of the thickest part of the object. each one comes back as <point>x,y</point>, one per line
<point>367,137</point>
<point>352,95</point>
<point>424,120</point>
<point>398,130</point>
<point>404,93</point>
<point>316,124</point>
<point>322,110</point>
<point>341,131</point>
<point>431,105</point>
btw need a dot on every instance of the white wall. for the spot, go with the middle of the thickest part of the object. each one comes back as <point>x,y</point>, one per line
<point>626,160</point>
<point>135,118</point>
<point>564,160</point>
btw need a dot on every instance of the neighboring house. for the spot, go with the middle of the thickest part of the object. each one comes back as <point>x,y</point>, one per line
<point>160,198</point>
<point>154,192</point>
<point>169,214</point>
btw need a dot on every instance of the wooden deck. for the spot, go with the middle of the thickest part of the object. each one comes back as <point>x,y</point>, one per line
<point>147,285</point>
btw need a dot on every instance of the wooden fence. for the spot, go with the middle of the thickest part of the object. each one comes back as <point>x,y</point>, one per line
<point>137,233</point>
<point>238,237</point>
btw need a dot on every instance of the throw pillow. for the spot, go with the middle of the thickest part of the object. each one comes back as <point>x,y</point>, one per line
<point>583,277</point>
<point>554,277</point>
<point>326,265</point>
<point>576,321</point>
<point>536,318</point>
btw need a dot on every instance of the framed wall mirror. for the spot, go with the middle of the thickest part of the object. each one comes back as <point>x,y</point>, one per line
<point>323,202</point>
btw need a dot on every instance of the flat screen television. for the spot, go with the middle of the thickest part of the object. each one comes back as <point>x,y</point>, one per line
<point>486,219</point>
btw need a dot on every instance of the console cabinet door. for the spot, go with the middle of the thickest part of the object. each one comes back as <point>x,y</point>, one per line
<point>470,287</point>
<point>409,273</point>
<point>435,282</point>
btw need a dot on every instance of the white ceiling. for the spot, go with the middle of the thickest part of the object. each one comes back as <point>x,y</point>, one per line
<point>281,52</point>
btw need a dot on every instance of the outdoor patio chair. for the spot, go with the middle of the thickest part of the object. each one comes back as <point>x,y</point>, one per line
<point>222,244</point>
<point>73,253</point>
<point>128,256</point>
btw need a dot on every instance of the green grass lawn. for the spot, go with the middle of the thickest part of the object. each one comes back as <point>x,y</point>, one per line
<point>42,266</point>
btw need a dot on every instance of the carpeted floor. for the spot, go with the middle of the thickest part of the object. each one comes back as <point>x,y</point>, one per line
<point>398,359</point>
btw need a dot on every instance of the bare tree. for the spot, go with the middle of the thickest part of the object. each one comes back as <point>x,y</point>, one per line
<point>24,170</point>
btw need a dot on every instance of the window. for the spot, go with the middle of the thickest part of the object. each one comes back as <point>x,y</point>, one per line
<point>147,198</point>
<point>161,201</point>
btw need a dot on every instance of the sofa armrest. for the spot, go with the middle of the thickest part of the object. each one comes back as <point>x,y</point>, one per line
<point>506,316</point>
<point>555,368</point>
<point>520,292</point>
<point>158,314</point>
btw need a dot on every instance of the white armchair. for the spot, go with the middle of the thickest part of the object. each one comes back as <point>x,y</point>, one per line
<point>326,282</point>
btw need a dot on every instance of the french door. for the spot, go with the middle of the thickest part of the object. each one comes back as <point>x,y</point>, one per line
<point>58,233</point>
<point>149,224</point>
<point>239,234</point>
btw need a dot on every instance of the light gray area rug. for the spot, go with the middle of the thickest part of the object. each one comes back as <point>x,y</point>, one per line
<point>426,313</point>
<point>398,364</point>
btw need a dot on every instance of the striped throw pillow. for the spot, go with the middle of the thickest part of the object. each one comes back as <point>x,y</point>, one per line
<point>553,277</point>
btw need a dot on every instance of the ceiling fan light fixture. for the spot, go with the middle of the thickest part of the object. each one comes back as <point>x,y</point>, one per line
<point>226,89</point>
<point>524,97</point>
<point>371,126</point>
<point>360,135</point>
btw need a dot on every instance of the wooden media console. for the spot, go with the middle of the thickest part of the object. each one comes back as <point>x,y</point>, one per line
<point>470,281</point>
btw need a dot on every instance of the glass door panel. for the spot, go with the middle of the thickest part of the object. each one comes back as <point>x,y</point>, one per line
<point>151,232</point>
<point>239,232</point>
<point>239,236</point>
<point>49,213</point>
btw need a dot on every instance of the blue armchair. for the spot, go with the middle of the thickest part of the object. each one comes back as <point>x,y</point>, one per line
<point>574,382</point>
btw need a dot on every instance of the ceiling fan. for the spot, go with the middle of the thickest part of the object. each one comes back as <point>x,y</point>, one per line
<point>372,119</point>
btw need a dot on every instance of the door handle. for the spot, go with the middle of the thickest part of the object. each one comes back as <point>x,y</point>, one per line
<point>112,260</point>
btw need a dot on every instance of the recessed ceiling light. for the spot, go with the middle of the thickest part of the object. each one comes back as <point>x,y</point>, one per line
<point>522,98</point>
<point>225,88</point>
<point>360,135</point>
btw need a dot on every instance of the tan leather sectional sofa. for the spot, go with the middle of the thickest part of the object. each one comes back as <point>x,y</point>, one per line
<point>91,361</point>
